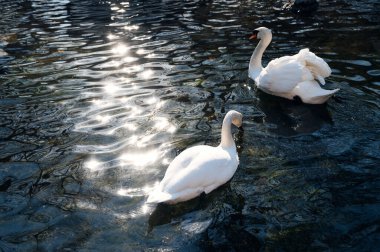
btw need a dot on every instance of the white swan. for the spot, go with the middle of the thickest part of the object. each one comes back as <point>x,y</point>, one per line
<point>200,168</point>
<point>289,76</point>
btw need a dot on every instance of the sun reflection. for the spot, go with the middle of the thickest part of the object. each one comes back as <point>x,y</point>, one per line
<point>111,88</point>
<point>163,123</point>
<point>140,159</point>
<point>145,209</point>
<point>86,205</point>
<point>171,129</point>
<point>147,74</point>
<point>165,161</point>
<point>124,192</point>
<point>133,69</point>
<point>133,139</point>
<point>103,118</point>
<point>130,126</point>
<point>135,111</point>
<point>140,51</point>
<point>123,99</point>
<point>160,104</point>
<point>136,192</point>
<point>97,102</point>
<point>120,49</point>
<point>145,140</point>
<point>131,27</point>
<point>92,164</point>
<point>151,100</point>
<point>151,55</point>
<point>129,59</point>
<point>112,37</point>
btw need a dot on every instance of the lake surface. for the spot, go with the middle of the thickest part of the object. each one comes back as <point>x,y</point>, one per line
<point>97,97</point>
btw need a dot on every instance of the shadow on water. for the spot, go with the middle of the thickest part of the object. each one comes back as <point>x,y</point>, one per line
<point>292,117</point>
<point>164,213</point>
<point>220,228</point>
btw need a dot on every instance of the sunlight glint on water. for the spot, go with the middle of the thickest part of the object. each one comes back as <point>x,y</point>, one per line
<point>98,97</point>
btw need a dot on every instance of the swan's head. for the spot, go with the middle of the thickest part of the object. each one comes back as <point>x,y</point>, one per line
<point>260,33</point>
<point>235,117</point>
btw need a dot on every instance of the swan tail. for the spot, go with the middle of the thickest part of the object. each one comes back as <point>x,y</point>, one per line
<point>158,197</point>
<point>310,92</point>
<point>320,79</point>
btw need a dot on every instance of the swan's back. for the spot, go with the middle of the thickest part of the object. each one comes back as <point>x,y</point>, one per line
<point>281,75</point>
<point>196,170</point>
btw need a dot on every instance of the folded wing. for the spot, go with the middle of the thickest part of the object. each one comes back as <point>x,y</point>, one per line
<point>282,75</point>
<point>317,66</point>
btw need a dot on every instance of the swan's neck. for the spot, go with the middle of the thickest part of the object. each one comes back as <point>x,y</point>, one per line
<point>227,140</point>
<point>255,65</point>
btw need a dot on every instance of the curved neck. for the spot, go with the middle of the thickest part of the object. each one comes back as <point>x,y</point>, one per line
<point>255,62</point>
<point>227,140</point>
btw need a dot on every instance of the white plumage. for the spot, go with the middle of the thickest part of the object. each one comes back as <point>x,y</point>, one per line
<point>200,168</point>
<point>290,76</point>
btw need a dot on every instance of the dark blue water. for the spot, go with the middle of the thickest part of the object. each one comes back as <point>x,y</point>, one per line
<point>97,97</point>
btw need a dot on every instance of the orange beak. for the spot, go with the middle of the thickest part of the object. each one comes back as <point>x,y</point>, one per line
<point>253,36</point>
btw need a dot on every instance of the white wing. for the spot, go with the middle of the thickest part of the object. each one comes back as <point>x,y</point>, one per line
<point>317,66</point>
<point>183,160</point>
<point>179,163</point>
<point>209,168</point>
<point>282,75</point>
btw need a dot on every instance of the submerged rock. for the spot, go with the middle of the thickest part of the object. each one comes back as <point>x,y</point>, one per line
<point>18,170</point>
<point>71,186</point>
<point>5,132</point>
<point>10,148</point>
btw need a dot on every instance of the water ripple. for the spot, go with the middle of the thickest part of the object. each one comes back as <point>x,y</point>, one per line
<point>96,99</point>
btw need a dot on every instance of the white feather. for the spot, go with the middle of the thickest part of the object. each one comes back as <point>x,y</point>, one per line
<point>200,168</point>
<point>283,76</point>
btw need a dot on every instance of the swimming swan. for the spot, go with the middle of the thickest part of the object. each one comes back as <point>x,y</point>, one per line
<point>200,168</point>
<point>289,76</point>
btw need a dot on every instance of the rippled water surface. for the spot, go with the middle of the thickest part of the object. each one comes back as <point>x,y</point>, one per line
<point>97,97</point>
